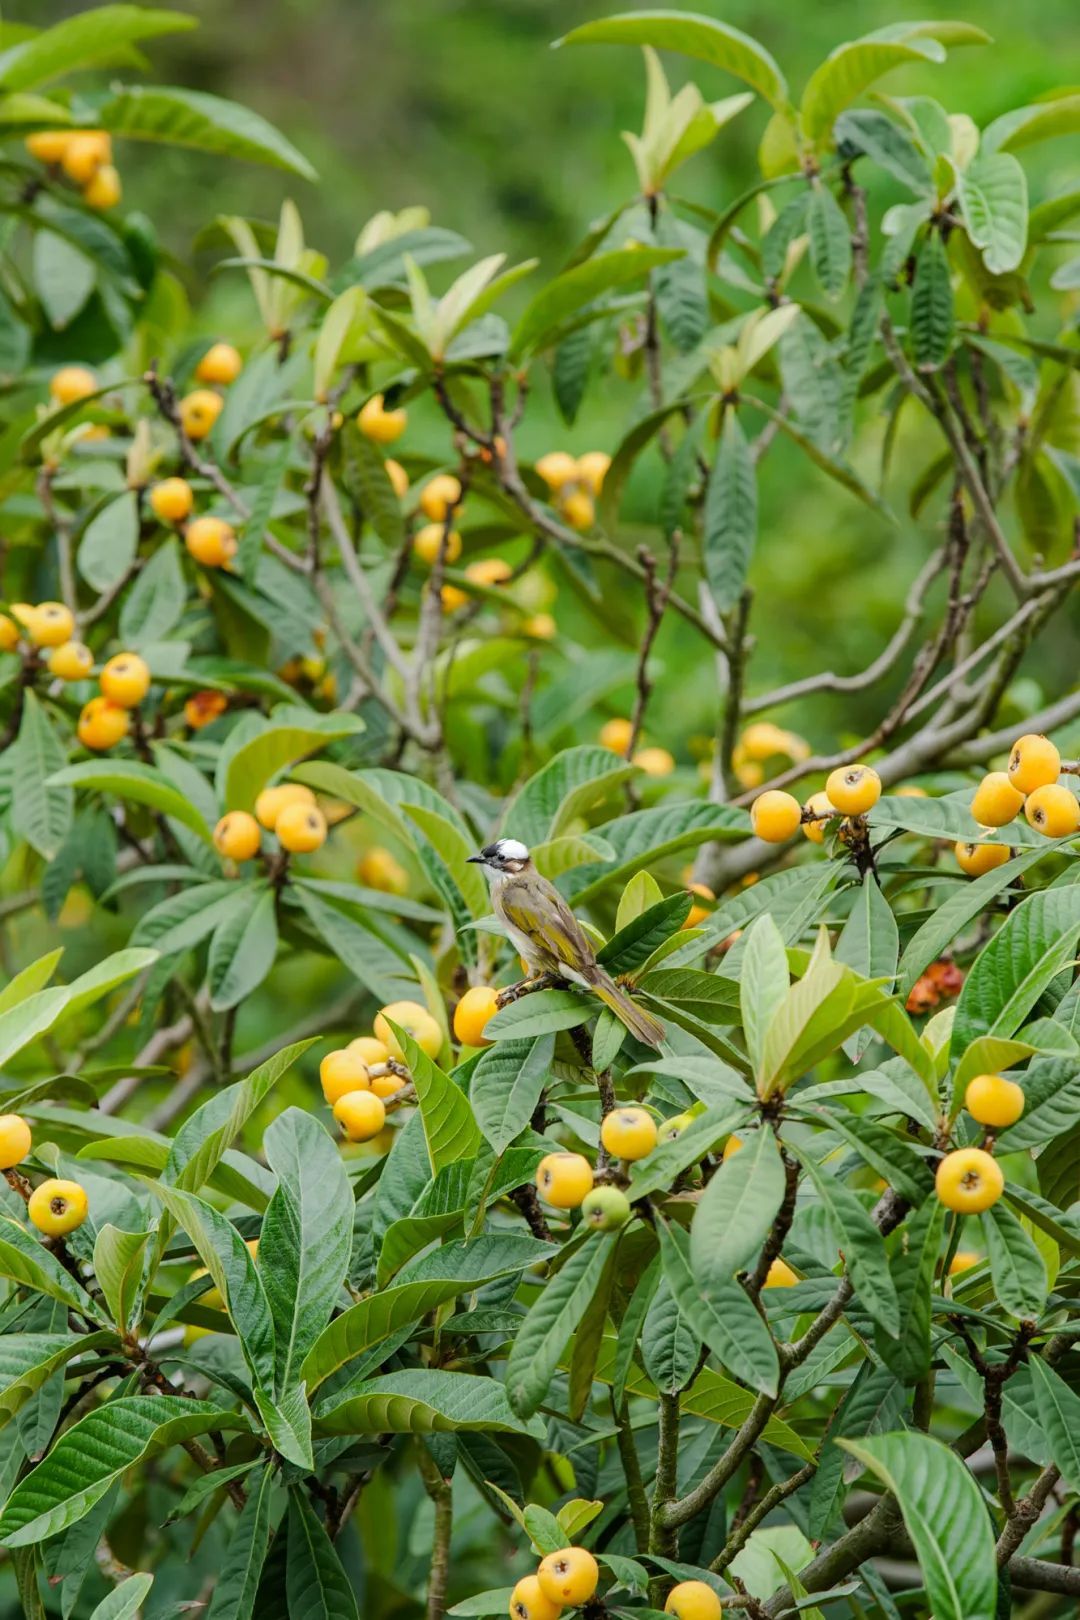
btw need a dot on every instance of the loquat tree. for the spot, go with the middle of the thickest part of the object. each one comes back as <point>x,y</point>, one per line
<point>461,1154</point>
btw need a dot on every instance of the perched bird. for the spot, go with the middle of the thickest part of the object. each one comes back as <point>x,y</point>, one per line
<point>545,932</point>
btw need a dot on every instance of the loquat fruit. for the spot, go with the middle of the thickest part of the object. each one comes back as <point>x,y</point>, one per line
<point>592,469</point>
<point>104,189</point>
<point>616,734</point>
<point>628,1133</point>
<point>125,680</point>
<point>399,478</point>
<point>9,634</point>
<point>764,740</point>
<point>996,801</point>
<point>818,804</point>
<point>569,1577</point>
<point>85,153</point>
<point>15,1140</point>
<point>198,411</point>
<point>210,541</point>
<point>488,571</point>
<point>237,836</point>
<point>380,425</point>
<point>540,627</point>
<point>699,914</point>
<point>992,1100</point>
<point>370,1050</point>
<point>429,541</point>
<point>57,1207</point>
<point>693,1600</point>
<point>968,1180</point>
<point>48,145</point>
<point>440,496</point>
<point>341,1072</point>
<point>563,1179</point>
<point>578,509</point>
<point>671,1129</point>
<point>203,708</point>
<point>273,800</point>
<point>451,598</point>
<point>221,364</point>
<point>172,500</point>
<point>50,624</point>
<point>734,1144</point>
<point>557,469</point>
<point>71,383</point>
<point>1033,763</point>
<point>853,789</point>
<point>528,1602</point>
<point>975,859</point>
<point>780,1275</point>
<point>963,1260</point>
<point>301,828</point>
<point>473,1013</point>
<point>1053,810</point>
<point>605,1209</point>
<point>71,661</point>
<point>360,1114</point>
<point>775,816</point>
<point>654,761</point>
<point>378,869</point>
<point>416,1021</point>
<point>102,724</point>
<point>387,1084</point>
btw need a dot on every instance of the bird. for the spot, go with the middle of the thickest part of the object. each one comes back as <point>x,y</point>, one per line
<point>547,935</point>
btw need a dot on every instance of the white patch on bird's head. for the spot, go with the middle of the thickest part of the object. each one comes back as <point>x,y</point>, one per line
<point>507,855</point>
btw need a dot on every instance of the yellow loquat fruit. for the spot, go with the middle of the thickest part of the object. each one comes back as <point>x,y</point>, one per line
<point>85,153</point>
<point>125,680</point>
<point>775,816</point>
<point>273,800</point>
<point>221,364</point>
<point>237,836</point>
<point>975,859</point>
<point>1033,763</point>
<point>569,1576</point>
<point>429,541</point>
<point>341,1072</point>
<point>71,661</point>
<point>992,1100</point>
<point>440,496</point>
<point>592,469</point>
<point>71,383</point>
<point>198,412</point>
<point>563,1179</point>
<point>654,761</point>
<point>378,869</point>
<point>15,1140</point>
<point>528,1602</point>
<point>853,789</point>
<point>416,1021</point>
<point>50,624</point>
<point>399,478</point>
<point>380,425</point>
<point>104,189</point>
<point>360,1114</point>
<point>780,1275</point>
<point>172,500</point>
<point>57,1207</point>
<point>301,828</point>
<point>693,1600</point>
<point>210,541</point>
<point>473,1013</point>
<point>102,724</point>
<point>996,801</point>
<point>628,1133</point>
<point>1053,810</point>
<point>616,734</point>
<point>968,1180</point>
<point>557,469</point>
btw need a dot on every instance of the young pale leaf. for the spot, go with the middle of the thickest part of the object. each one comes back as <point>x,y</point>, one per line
<point>125,1600</point>
<point>946,1519</point>
<point>763,984</point>
<point>702,37</point>
<point>736,1211</point>
<point>197,119</point>
<point>992,193</point>
<point>731,514</point>
<point>94,1452</point>
<point>119,1265</point>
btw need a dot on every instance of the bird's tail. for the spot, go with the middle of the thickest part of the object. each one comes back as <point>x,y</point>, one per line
<point>641,1024</point>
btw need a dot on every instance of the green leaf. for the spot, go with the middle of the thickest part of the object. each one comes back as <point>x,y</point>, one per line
<point>847,72</point>
<point>109,542</point>
<point>952,915</point>
<point>562,791</point>
<point>724,1317</point>
<point>730,515</point>
<point>1017,1267</point>
<point>1058,1407</point>
<point>237,1582</point>
<point>1051,1105</point>
<point>97,1450</point>
<point>282,744</point>
<point>1059,115</point>
<point>701,37</point>
<point>131,779</point>
<point>570,292</point>
<point>736,1211</point>
<point>200,1144</point>
<point>506,1085</point>
<point>994,205</point>
<point>1011,972</point>
<point>425,1401</point>
<point>32,978</point>
<point>703,1135</point>
<point>243,949</point>
<point>887,145</point>
<point>155,602</point>
<point>288,1424</point>
<point>908,1354</point>
<point>634,942</point>
<point>376,1318</point>
<point>670,1349</point>
<point>763,984</point>
<point>28,1263</point>
<point>41,809</point>
<point>946,1519</point>
<point>119,1259</point>
<point>932,306</point>
<point>125,1600</point>
<point>306,1237</point>
<point>450,1130</point>
<point>830,241</point>
<point>196,119</point>
<point>862,1244</point>
<point>542,1013</point>
<point>28,1360</point>
<point>316,1585</point>
<point>92,39</point>
<point>353,940</point>
<point>368,482</point>
<point>64,278</point>
<point>552,1319</point>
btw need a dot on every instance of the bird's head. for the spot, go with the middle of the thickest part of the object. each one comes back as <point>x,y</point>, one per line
<point>505,855</point>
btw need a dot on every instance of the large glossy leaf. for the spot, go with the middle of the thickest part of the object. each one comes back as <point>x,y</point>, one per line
<point>316,1585</point>
<point>131,779</point>
<point>542,1013</point>
<point>551,1321</point>
<point>125,1600</point>
<point>1011,972</point>
<point>932,306</point>
<point>424,1401</point>
<point>194,118</point>
<point>722,1315</point>
<point>506,1085</point>
<point>952,915</point>
<point>119,1268</point>
<point>703,1135</point>
<point>41,807</point>
<point>848,71</point>
<point>946,1519</point>
<point>201,1142</point>
<point>238,1579</point>
<point>94,1452</point>
<point>306,1237</point>
<point>574,289</point>
<point>862,1245</point>
<point>94,38</point>
<point>450,1130</point>
<point>286,740</point>
<point>376,1318</point>
<point>994,204</point>
<point>27,1262</point>
<point>1058,1408</point>
<point>1016,1265</point>
<point>563,790</point>
<point>736,1210</point>
<point>357,945</point>
<point>730,515</point>
<point>1051,1104</point>
<point>908,1354</point>
<point>28,1360</point>
<point>243,949</point>
<point>694,35</point>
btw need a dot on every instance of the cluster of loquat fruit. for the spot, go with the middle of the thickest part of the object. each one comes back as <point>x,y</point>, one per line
<point>83,156</point>
<point>440,501</point>
<point>56,1207</point>
<point>288,810</point>
<point>618,735</point>
<point>358,1080</point>
<point>574,484</point>
<point>568,1578</point>
<point>124,680</point>
<point>969,1179</point>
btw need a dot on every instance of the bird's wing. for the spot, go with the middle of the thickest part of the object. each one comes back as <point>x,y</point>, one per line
<point>537,909</point>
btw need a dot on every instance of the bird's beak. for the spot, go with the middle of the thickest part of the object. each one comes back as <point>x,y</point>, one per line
<point>474,860</point>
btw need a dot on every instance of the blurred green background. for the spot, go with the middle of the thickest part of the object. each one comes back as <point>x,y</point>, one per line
<point>461,105</point>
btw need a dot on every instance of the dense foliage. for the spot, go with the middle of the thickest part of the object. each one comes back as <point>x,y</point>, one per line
<point>350,1264</point>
